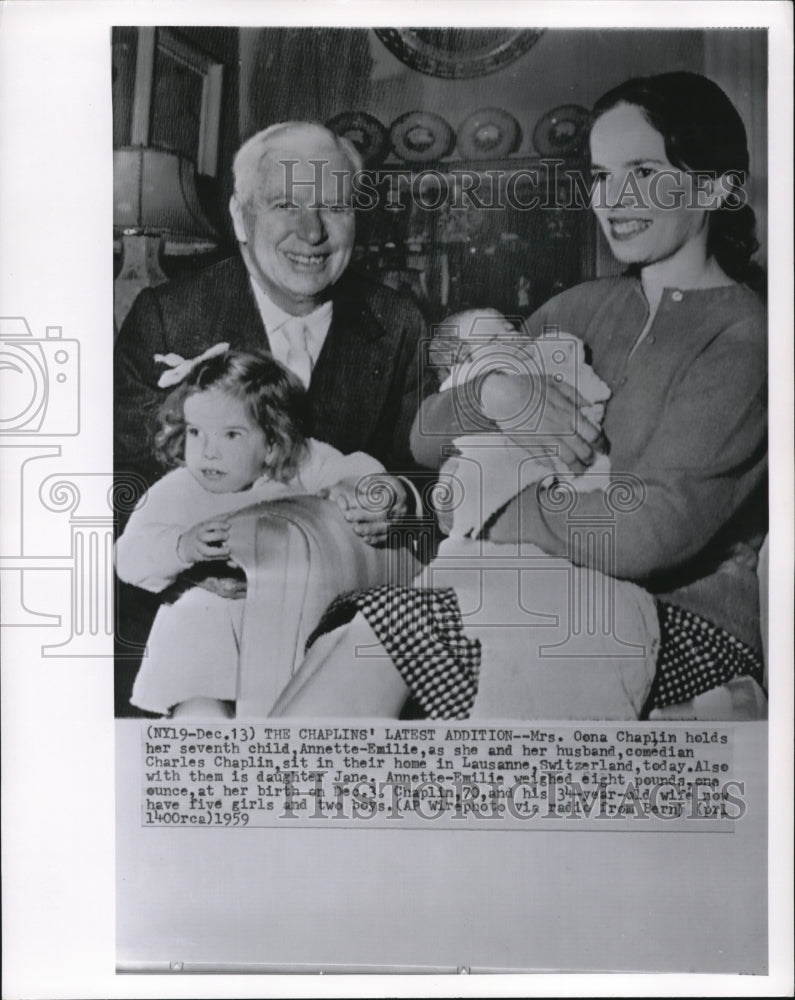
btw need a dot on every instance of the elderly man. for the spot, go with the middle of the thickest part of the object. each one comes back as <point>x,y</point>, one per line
<point>353,343</point>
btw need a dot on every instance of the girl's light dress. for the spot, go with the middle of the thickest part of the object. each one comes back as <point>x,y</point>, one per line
<point>192,650</point>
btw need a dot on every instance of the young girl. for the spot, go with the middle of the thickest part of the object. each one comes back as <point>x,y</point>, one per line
<point>232,431</point>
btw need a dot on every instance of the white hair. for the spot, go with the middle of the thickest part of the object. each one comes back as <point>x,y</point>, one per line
<point>247,165</point>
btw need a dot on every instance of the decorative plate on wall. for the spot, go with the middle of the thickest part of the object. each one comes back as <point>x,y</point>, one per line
<point>488,132</point>
<point>420,136</point>
<point>365,131</point>
<point>457,53</point>
<point>561,130</point>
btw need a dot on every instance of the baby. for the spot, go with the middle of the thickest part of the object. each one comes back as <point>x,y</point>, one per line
<point>232,430</point>
<point>491,467</point>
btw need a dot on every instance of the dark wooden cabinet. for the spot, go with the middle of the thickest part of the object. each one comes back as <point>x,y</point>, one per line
<point>508,234</point>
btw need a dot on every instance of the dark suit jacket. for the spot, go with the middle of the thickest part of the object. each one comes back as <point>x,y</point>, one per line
<point>366,386</point>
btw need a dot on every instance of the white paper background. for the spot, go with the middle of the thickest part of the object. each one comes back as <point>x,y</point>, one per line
<point>56,269</point>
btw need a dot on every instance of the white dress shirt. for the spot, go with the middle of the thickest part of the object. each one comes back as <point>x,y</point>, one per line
<point>316,327</point>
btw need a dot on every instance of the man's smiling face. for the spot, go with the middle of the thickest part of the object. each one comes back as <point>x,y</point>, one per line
<point>297,229</point>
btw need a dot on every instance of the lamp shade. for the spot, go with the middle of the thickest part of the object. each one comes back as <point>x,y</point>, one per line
<point>154,193</point>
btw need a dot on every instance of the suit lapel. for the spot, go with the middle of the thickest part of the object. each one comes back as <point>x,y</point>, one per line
<point>350,380</point>
<point>233,307</point>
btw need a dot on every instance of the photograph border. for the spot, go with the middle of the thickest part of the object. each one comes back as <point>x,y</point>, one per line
<point>56,199</point>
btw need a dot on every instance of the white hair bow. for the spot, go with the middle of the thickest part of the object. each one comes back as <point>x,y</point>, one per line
<point>180,368</point>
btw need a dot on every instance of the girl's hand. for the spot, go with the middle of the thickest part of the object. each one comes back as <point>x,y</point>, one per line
<point>205,541</point>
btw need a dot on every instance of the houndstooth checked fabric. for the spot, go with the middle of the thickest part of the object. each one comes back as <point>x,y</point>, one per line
<point>422,632</point>
<point>695,656</point>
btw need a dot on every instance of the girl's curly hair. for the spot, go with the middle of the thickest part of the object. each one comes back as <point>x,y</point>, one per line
<point>275,399</point>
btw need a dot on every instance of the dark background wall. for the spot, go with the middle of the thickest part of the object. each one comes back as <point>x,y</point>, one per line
<point>273,74</point>
<point>319,73</point>
<point>311,73</point>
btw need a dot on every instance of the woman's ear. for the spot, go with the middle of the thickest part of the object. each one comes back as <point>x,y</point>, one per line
<point>238,219</point>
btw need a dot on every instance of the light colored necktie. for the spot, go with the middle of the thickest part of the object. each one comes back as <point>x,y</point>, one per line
<point>298,360</point>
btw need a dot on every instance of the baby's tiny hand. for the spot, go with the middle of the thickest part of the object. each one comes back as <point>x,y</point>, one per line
<point>205,541</point>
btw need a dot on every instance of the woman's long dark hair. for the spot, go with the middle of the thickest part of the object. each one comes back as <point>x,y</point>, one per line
<point>702,131</point>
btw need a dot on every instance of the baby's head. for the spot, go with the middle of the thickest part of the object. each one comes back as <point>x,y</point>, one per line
<point>236,416</point>
<point>457,336</point>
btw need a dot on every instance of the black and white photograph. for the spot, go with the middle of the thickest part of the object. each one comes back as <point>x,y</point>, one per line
<point>525,364</point>
<point>467,423</point>
<point>422,508</point>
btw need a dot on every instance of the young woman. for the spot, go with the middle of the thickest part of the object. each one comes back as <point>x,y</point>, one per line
<point>681,341</point>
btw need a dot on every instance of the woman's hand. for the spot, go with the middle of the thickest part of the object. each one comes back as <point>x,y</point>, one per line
<point>533,411</point>
<point>205,541</point>
<point>371,504</point>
